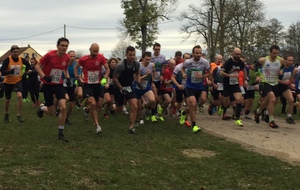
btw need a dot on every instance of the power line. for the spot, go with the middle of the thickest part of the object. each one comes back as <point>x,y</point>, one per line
<point>85,28</point>
<point>31,36</point>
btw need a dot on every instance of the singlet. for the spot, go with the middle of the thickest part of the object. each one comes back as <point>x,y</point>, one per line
<point>17,75</point>
<point>270,71</point>
<point>158,62</point>
<point>145,82</point>
<point>127,73</point>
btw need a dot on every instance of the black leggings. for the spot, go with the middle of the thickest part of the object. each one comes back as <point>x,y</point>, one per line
<point>34,90</point>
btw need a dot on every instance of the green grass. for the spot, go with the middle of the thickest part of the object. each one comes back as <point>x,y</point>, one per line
<point>32,158</point>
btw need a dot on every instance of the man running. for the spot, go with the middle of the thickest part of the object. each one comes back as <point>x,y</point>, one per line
<point>123,78</point>
<point>230,72</point>
<point>50,68</point>
<point>92,67</point>
<point>271,65</point>
<point>12,71</point>
<point>197,69</point>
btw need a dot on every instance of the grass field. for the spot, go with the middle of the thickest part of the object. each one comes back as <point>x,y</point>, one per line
<point>32,158</point>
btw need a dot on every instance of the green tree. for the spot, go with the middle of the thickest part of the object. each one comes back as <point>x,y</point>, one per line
<point>141,19</point>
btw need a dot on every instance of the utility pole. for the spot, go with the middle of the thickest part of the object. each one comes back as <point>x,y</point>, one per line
<point>65,30</point>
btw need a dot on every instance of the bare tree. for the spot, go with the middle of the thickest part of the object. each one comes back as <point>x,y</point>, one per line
<point>120,48</point>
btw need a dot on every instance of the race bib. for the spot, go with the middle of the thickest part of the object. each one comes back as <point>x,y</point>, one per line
<point>144,83</point>
<point>233,80</point>
<point>56,75</point>
<point>169,86</point>
<point>242,89</point>
<point>93,77</point>
<point>271,79</point>
<point>183,82</point>
<point>220,86</point>
<point>157,75</point>
<point>193,76</point>
<point>286,76</point>
<point>17,70</point>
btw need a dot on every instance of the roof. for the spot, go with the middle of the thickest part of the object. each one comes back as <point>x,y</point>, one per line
<point>22,49</point>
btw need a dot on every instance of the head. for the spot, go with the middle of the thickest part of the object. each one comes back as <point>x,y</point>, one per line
<point>172,64</point>
<point>15,51</point>
<point>33,61</point>
<point>186,56</point>
<point>130,54</point>
<point>289,60</point>
<point>94,50</point>
<point>178,55</point>
<point>219,59</point>
<point>146,57</point>
<point>274,51</point>
<point>62,45</point>
<point>236,54</point>
<point>197,52</point>
<point>72,55</point>
<point>112,62</point>
<point>156,49</point>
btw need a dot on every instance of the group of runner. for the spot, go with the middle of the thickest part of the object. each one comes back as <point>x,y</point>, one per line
<point>154,85</point>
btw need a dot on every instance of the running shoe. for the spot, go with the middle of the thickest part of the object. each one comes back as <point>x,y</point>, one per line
<point>247,117</point>
<point>161,118</point>
<point>196,129</point>
<point>131,131</point>
<point>106,116</point>
<point>289,120</point>
<point>226,117</point>
<point>86,115</point>
<point>220,111</point>
<point>20,118</point>
<point>234,117</point>
<point>57,111</point>
<point>182,117</point>
<point>98,129</point>
<point>214,109</point>
<point>142,122</point>
<point>6,118</point>
<point>153,118</point>
<point>159,109</point>
<point>40,113</point>
<point>62,138</point>
<point>238,123</point>
<point>267,118</point>
<point>187,123</point>
<point>272,124</point>
<point>256,116</point>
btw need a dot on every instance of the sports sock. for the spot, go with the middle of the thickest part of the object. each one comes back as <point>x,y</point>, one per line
<point>238,111</point>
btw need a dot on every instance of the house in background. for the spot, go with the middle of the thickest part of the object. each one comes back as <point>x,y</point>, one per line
<point>24,52</point>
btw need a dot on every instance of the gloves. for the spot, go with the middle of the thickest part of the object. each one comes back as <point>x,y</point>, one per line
<point>47,78</point>
<point>140,85</point>
<point>68,82</point>
<point>103,82</point>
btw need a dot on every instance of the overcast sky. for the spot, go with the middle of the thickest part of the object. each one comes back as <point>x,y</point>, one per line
<point>40,23</point>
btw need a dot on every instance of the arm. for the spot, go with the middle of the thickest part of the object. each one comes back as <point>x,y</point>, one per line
<point>116,76</point>
<point>4,68</point>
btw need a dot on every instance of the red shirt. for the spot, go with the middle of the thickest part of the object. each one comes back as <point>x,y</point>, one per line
<point>179,61</point>
<point>92,67</point>
<point>54,65</point>
<point>167,76</point>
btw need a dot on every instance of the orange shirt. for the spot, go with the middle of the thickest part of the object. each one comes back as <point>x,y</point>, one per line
<point>241,78</point>
<point>17,76</point>
<point>213,66</point>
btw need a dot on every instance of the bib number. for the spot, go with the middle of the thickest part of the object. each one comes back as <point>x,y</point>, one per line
<point>56,75</point>
<point>93,77</point>
<point>242,89</point>
<point>194,79</point>
<point>220,86</point>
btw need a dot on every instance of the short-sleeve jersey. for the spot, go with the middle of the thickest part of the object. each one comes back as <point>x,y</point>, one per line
<point>232,67</point>
<point>192,68</point>
<point>54,65</point>
<point>92,68</point>
<point>167,76</point>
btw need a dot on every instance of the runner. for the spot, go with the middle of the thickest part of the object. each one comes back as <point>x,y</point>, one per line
<point>91,68</point>
<point>123,78</point>
<point>271,65</point>
<point>230,72</point>
<point>12,71</point>
<point>147,73</point>
<point>50,69</point>
<point>285,80</point>
<point>197,69</point>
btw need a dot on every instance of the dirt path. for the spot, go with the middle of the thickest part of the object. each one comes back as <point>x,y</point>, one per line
<point>283,143</point>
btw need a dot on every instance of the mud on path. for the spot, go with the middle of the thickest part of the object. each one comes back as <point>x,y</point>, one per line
<point>283,143</point>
